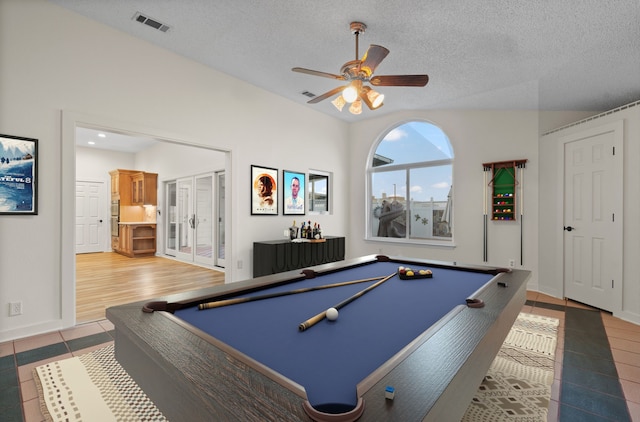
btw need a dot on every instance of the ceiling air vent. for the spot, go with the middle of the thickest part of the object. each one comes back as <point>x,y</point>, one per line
<point>308,94</point>
<point>139,17</point>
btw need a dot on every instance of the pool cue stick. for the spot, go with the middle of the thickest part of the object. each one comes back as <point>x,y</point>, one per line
<point>521,166</point>
<point>484,217</point>
<point>227,302</point>
<point>319,317</point>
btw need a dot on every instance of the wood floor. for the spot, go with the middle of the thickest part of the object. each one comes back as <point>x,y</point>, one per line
<point>106,279</point>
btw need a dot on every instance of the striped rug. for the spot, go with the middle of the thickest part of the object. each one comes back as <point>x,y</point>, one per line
<point>517,387</point>
<point>92,388</point>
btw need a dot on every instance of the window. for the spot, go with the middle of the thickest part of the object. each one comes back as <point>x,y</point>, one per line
<point>410,177</point>
<point>318,191</point>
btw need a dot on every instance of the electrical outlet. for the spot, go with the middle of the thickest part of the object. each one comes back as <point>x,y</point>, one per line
<point>15,308</point>
<point>512,263</point>
<point>239,264</point>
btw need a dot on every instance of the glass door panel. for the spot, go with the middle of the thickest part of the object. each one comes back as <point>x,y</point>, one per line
<point>221,219</point>
<point>186,219</point>
<point>204,223</point>
<point>172,220</point>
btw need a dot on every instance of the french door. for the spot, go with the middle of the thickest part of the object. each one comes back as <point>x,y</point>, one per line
<point>192,222</point>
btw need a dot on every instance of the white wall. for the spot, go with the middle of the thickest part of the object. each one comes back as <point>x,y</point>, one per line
<point>551,180</point>
<point>58,68</point>
<point>94,165</point>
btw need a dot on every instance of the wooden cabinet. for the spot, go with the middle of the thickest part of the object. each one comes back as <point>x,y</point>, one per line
<point>276,256</point>
<point>121,186</point>
<point>144,188</point>
<point>132,187</point>
<point>137,239</point>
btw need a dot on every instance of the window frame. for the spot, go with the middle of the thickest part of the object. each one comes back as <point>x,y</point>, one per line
<point>407,167</point>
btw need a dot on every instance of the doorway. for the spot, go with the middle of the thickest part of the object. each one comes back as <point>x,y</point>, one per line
<point>194,219</point>
<point>72,166</point>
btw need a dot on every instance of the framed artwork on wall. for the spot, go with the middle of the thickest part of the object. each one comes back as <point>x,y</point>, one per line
<point>293,193</point>
<point>264,191</point>
<point>318,192</point>
<point>18,175</point>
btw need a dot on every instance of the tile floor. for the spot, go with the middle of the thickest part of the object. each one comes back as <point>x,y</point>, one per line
<point>597,376</point>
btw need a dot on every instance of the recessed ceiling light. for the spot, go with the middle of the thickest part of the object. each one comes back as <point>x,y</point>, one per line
<point>102,135</point>
<point>91,143</point>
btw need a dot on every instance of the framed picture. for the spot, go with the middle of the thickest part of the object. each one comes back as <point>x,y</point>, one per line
<point>293,193</point>
<point>18,175</point>
<point>318,195</point>
<point>264,191</point>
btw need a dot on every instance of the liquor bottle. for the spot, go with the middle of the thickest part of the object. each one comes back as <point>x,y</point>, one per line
<point>293,231</point>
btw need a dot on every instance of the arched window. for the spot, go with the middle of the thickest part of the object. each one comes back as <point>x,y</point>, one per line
<point>410,182</point>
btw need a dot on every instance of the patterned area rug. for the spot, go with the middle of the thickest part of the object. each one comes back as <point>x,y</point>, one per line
<point>517,386</point>
<point>92,388</point>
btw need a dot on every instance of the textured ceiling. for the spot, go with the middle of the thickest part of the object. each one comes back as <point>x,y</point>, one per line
<point>479,54</point>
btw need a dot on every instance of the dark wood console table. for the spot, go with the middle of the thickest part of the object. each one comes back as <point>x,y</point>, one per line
<point>277,256</point>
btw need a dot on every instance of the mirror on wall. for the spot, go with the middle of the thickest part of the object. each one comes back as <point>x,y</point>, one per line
<point>318,191</point>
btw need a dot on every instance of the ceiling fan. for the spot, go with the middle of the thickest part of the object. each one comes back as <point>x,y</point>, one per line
<point>357,72</point>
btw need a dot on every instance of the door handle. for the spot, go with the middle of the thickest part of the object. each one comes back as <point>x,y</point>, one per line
<point>568,228</point>
<point>192,221</point>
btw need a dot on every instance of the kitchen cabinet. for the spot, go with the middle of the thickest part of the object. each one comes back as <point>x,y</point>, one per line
<point>121,186</point>
<point>144,188</point>
<point>135,233</point>
<point>137,239</point>
<point>134,187</point>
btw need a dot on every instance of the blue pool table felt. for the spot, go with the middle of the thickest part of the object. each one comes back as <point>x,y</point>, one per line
<point>332,357</point>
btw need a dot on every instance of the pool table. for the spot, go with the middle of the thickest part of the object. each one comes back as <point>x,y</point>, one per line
<point>429,340</point>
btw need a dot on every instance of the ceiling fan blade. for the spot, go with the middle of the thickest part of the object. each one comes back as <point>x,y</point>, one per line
<point>326,95</point>
<point>318,73</point>
<point>372,58</point>
<point>400,80</point>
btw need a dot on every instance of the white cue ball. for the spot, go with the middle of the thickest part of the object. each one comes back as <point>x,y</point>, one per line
<point>332,314</point>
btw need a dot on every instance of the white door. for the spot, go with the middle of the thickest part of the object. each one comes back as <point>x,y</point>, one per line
<point>593,216</point>
<point>89,219</point>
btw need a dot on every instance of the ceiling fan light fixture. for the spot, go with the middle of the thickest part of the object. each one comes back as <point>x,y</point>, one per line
<point>339,102</point>
<point>356,107</point>
<point>359,71</point>
<point>350,93</point>
<point>375,98</point>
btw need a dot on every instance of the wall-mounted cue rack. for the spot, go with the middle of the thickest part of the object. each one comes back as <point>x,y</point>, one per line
<point>502,181</point>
